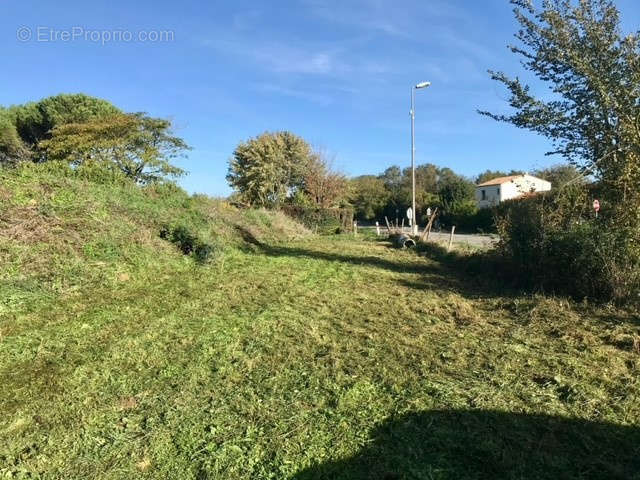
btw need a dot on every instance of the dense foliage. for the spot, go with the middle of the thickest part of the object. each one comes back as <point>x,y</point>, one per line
<point>141,147</point>
<point>269,168</point>
<point>389,194</point>
<point>323,187</point>
<point>324,221</point>
<point>280,167</point>
<point>555,242</point>
<point>23,127</point>
<point>593,121</point>
<point>86,131</point>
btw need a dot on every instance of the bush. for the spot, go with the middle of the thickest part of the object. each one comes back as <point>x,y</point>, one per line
<point>554,242</point>
<point>468,218</point>
<point>325,221</point>
<point>188,242</point>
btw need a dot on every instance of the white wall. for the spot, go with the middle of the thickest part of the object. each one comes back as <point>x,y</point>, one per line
<point>512,189</point>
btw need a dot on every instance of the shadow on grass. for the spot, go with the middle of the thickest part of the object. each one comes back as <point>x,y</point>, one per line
<point>450,271</point>
<point>369,260</point>
<point>478,444</point>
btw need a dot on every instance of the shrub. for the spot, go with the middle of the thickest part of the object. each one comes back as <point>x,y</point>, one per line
<point>325,221</point>
<point>188,242</point>
<point>468,218</point>
<point>554,242</point>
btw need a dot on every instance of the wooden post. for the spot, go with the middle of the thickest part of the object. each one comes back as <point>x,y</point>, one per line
<point>427,229</point>
<point>377,229</point>
<point>453,229</point>
<point>388,224</point>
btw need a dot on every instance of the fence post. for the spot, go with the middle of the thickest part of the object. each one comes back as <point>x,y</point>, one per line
<point>453,229</point>
<point>377,229</point>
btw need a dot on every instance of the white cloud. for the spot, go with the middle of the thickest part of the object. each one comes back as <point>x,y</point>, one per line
<point>308,96</point>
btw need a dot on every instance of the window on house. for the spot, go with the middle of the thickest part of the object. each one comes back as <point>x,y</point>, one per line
<point>484,194</point>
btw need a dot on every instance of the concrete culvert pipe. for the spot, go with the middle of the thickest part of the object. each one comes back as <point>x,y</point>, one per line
<point>405,241</point>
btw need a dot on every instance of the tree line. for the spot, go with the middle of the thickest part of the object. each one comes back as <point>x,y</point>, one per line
<point>280,168</point>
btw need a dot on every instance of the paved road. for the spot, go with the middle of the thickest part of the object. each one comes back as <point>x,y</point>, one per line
<point>477,240</point>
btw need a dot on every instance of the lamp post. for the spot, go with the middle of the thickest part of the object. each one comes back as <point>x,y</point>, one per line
<point>414,226</point>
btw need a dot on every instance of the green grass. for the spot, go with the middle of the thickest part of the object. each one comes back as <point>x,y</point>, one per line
<point>288,356</point>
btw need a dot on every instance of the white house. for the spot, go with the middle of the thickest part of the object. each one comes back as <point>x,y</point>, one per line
<point>505,188</point>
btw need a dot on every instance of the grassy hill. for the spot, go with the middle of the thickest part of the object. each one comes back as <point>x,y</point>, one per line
<point>285,355</point>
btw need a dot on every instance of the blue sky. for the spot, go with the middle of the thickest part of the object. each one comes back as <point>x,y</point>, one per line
<point>336,72</point>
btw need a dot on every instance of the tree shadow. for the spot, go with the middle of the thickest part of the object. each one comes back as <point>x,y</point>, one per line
<point>477,444</point>
<point>368,260</point>
<point>473,276</point>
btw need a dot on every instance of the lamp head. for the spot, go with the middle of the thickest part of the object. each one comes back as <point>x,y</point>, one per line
<point>423,85</point>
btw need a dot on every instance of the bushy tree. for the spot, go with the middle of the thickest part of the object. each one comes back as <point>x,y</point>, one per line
<point>491,174</point>
<point>456,199</point>
<point>12,149</point>
<point>23,127</point>
<point>35,121</point>
<point>593,70</point>
<point>369,196</point>
<point>593,121</point>
<point>324,187</point>
<point>139,146</point>
<point>561,175</point>
<point>267,169</point>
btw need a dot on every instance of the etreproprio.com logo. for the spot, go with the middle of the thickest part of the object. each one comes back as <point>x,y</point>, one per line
<point>46,34</point>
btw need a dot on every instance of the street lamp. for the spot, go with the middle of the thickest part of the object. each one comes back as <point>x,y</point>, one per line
<point>413,153</point>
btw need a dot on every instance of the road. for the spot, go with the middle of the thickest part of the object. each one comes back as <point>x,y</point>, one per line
<point>476,240</point>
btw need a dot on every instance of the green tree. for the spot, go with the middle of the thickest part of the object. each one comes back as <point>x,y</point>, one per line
<point>369,196</point>
<point>594,73</point>
<point>491,174</point>
<point>593,120</point>
<point>139,146</point>
<point>36,120</point>
<point>457,202</point>
<point>267,169</point>
<point>12,149</point>
<point>22,127</point>
<point>561,175</point>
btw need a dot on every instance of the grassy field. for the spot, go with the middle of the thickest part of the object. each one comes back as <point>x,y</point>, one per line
<point>287,356</point>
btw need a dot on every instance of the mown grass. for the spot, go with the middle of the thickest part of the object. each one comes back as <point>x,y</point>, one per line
<point>288,356</point>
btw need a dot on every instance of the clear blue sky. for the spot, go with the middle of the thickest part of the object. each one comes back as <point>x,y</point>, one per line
<point>336,72</point>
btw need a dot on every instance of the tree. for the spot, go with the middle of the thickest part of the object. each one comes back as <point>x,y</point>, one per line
<point>593,70</point>
<point>561,175</point>
<point>139,146</point>
<point>23,127</point>
<point>267,169</point>
<point>325,187</point>
<point>12,149</point>
<point>457,202</point>
<point>491,174</point>
<point>455,192</point>
<point>369,195</point>
<point>35,121</point>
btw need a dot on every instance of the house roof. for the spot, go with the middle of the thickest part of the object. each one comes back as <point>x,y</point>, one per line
<point>499,180</point>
